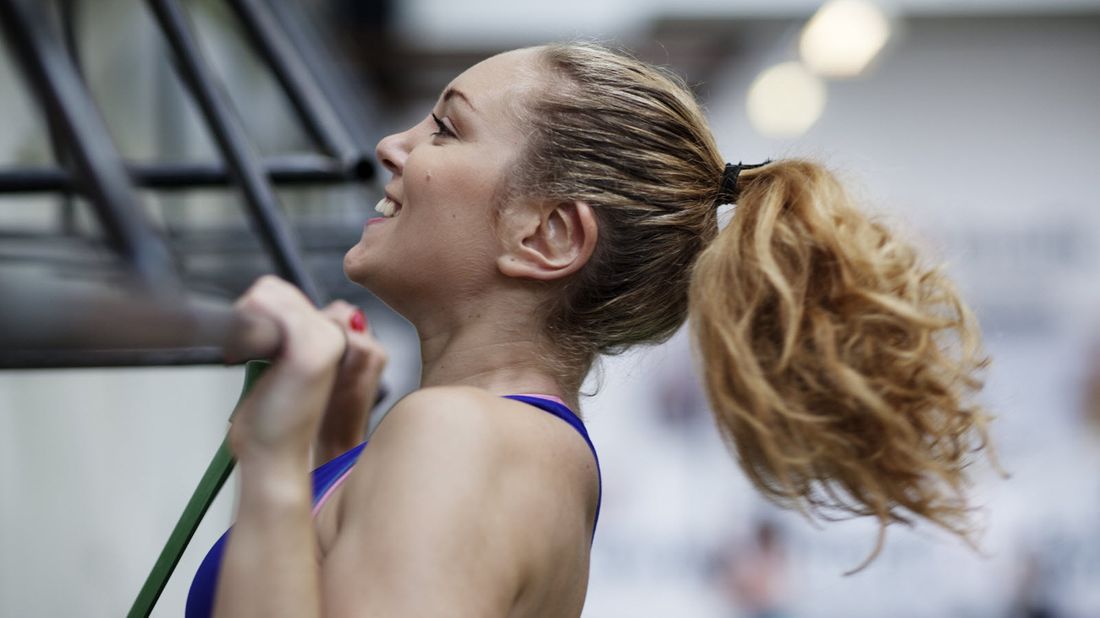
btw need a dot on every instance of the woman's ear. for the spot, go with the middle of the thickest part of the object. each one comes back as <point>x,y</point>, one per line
<point>549,243</point>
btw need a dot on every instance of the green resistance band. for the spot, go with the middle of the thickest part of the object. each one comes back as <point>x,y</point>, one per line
<point>211,483</point>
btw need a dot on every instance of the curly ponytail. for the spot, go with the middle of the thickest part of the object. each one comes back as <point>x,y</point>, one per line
<point>838,366</point>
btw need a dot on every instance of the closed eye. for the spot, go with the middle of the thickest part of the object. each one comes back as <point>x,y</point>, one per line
<point>443,130</point>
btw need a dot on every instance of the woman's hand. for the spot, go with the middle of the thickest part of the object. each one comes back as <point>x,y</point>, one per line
<point>280,416</point>
<point>347,415</point>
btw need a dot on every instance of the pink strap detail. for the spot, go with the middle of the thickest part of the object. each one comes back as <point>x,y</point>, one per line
<point>541,396</point>
<point>328,492</point>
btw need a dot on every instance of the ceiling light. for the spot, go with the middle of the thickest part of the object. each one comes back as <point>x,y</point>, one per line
<point>843,37</point>
<point>785,100</point>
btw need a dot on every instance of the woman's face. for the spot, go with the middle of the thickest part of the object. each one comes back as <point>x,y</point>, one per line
<point>446,171</point>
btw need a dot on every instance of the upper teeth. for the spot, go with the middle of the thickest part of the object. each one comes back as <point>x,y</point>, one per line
<point>387,207</point>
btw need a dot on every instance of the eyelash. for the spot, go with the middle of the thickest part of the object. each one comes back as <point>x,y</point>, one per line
<point>443,130</point>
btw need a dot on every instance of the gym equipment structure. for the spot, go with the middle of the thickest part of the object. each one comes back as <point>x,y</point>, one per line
<point>141,314</point>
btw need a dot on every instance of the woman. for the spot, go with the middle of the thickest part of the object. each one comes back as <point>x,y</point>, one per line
<point>559,203</point>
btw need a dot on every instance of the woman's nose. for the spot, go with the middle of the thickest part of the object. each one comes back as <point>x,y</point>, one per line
<point>391,152</point>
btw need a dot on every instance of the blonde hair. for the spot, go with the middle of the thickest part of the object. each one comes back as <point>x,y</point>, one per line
<point>631,141</point>
<point>839,367</point>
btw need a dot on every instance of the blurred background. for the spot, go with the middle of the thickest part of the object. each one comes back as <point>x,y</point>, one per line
<point>973,125</point>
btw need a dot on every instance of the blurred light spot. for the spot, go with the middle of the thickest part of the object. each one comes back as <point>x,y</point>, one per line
<point>785,100</point>
<point>843,37</point>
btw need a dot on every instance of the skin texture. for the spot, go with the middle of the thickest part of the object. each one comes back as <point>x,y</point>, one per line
<point>464,503</point>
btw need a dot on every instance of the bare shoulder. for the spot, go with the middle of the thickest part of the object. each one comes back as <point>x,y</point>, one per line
<point>460,424</point>
<point>438,441</point>
<point>499,447</point>
<point>526,469</point>
<point>436,411</point>
<point>510,460</point>
<point>476,423</point>
<point>456,478</point>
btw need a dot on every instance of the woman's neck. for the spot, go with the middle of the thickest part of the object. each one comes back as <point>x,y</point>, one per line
<point>503,359</point>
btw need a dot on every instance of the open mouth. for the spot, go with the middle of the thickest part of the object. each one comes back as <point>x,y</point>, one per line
<point>388,208</point>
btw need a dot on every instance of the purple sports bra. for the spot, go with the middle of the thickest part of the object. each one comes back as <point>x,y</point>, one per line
<point>328,477</point>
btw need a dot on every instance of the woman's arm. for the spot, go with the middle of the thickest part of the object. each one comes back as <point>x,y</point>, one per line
<point>437,523</point>
<point>438,518</point>
<point>347,414</point>
<point>270,566</point>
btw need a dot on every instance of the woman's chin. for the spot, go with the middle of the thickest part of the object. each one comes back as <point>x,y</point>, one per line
<point>366,273</point>
<point>355,265</point>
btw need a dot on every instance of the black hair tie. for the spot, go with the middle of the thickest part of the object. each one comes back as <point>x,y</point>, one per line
<point>729,192</point>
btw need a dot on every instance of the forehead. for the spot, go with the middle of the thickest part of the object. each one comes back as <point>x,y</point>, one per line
<point>494,85</point>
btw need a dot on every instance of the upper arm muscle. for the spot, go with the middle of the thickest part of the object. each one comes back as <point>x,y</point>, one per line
<point>423,531</point>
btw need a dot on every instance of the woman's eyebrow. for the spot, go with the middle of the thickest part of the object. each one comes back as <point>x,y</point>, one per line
<point>454,92</point>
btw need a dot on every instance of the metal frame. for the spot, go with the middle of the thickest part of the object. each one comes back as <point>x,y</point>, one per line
<point>145,317</point>
<point>240,157</point>
<point>290,170</point>
<point>305,94</point>
<point>78,124</point>
<point>190,332</point>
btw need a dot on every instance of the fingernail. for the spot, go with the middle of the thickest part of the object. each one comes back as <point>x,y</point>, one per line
<point>358,321</point>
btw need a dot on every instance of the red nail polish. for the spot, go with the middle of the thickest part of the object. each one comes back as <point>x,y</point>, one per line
<point>358,321</point>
